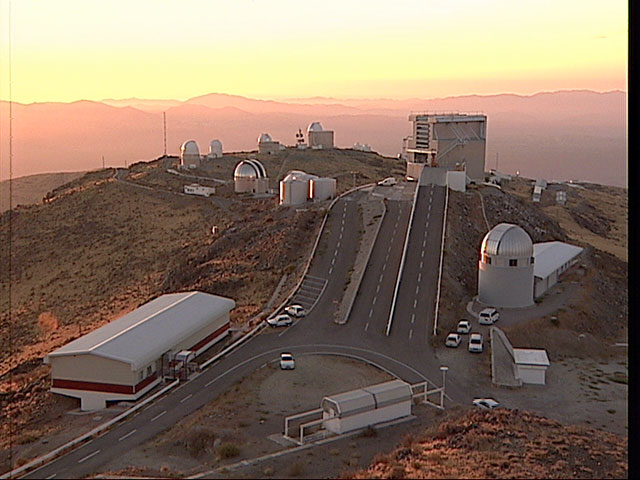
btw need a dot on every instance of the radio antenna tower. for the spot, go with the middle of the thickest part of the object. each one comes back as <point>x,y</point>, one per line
<point>164,119</point>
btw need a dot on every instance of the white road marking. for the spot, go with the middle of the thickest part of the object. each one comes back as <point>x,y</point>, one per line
<point>330,270</point>
<point>389,249</point>
<point>342,228</point>
<point>417,289</point>
<point>421,264</point>
<point>186,398</point>
<point>333,262</point>
<point>384,266</point>
<point>422,255</point>
<point>209,383</point>
<point>129,434</point>
<point>410,334</point>
<point>51,476</point>
<point>427,225</point>
<point>419,277</point>
<point>415,302</point>
<point>374,300</point>
<point>381,277</point>
<point>430,200</point>
<point>378,288</point>
<point>413,317</point>
<point>424,243</point>
<point>370,312</point>
<point>338,245</point>
<point>158,416</point>
<point>89,456</point>
<point>366,327</point>
<point>429,207</point>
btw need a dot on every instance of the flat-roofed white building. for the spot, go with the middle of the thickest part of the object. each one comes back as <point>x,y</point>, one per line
<point>531,365</point>
<point>201,190</point>
<point>371,405</point>
<point>552,259</point>
<point>124,359</point>
<point>297,187</point>
<point>452,140</point>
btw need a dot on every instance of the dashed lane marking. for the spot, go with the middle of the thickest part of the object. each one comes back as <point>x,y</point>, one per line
<point>51,476</point>
<point>84,459</point>
<point>419,277</point>
<point>186,398</point>
<point>424,243</point>
<point>381,277</point>
<point>415,302</point>
<point>421,264</point>
<point>417,289</point>
<point>333,262</point>
<point>330,270</point>
<point>158,416</point>
<point>370,313</point>
<point>374,300</point>
<point>366,327</point>
<point>413,317</point>
<point>410,334</point>
<point>129,434</point>
<point>422,255</point>
<point>378,288</point>
<point>338,244</point>
<point>384,266</point>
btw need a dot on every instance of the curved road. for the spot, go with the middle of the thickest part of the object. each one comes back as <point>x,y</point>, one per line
<point>411,359</point>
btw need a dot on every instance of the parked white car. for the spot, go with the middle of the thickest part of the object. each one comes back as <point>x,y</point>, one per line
<point>488,403</point>
<point>287,362</point>
<point>464,326</point>
<point>488,316</point>
<point>475,343</point>
<point>388,182</point>
<point>453,340</point>
<point>280,321</point>
<point>295,311</point>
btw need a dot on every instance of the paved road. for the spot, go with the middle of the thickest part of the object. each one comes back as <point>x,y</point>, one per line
<point>410,359</point>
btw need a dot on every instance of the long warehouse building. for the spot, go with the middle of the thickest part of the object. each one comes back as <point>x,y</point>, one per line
<point>126,358</point>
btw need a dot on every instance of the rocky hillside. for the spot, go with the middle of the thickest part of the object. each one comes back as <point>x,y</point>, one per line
<point>504,444</point>
<point>110,241</point>
<point>594,218</point>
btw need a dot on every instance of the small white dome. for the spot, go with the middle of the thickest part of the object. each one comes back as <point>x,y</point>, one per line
<point>264,138</point>
<point>190,147</point>
<point>214,145</point>
<point>314,127</point>
<point>507,240</point>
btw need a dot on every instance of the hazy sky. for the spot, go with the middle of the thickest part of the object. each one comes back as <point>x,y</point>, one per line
<point>67,50</point>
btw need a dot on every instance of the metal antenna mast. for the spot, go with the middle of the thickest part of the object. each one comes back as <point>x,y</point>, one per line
<point>164,119</point>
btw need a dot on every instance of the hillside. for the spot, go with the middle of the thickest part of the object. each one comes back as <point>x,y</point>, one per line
<point>101,246</point>
<point>32,189</point>
<point>562,135</point>
<point>504,444</point>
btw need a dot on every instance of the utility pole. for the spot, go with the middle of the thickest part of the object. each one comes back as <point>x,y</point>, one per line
<point>103,162</point>
<point>164,119</point>
<point>497,158</point>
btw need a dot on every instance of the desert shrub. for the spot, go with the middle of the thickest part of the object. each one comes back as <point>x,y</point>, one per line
<point>228,450</point>
<point>199,442</point>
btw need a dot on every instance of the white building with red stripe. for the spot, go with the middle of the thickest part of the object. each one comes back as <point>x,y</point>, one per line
<point>126,358</point>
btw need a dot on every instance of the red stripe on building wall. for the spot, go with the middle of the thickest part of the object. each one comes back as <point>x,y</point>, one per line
<point>102,387</point>
<point>92,386</point>
<point>210,338</point>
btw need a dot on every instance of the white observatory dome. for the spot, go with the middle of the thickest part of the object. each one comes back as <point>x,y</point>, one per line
<point>215,146</point>
<point>264,138</point>
<point>190,147</point>
<point>314,127</point>
<point>249,169</point>
<point>507,240</point>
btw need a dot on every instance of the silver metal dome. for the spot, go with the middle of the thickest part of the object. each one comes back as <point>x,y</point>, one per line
<point>264,138</point>
<point>249,169</point>
<point>507,240</point>
<point>190,147</point>
<point>314,127</point>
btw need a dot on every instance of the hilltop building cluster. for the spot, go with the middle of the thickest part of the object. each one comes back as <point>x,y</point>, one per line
<point>190,153</point>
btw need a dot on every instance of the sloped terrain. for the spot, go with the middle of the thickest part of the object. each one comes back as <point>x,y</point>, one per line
<point>31,189</point>
<point>110,241</point>
<point>504,444</point>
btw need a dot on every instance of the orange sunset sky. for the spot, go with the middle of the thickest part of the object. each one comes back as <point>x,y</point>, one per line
<point>68,50</point>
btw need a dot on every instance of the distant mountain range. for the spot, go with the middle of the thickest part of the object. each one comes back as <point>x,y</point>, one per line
<point>578,135</point>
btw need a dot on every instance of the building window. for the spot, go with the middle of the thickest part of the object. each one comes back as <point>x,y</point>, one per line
<point>513,262</point>
<point>531,260</point>
<point>148,370</point>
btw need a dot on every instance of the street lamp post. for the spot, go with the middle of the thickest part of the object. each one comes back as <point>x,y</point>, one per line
<point>443,369</point>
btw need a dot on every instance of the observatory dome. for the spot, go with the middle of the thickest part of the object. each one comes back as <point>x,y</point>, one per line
<point>314,127</point>
<point>264,138</point>
<point>507,240</point>
<point>249,169</point>
<point>214,145</point>
<point>190,147</point>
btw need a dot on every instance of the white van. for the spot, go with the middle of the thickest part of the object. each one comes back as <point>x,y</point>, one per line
<point>488,316</point>
<point>388,182</point>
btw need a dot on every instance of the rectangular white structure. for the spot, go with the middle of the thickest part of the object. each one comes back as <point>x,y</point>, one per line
<point>124,359</point>
<point>321,189</point>
<point>551,259</point>
<point>531,365</point>
<point>457,181</point>
<point>372,405</point>
<point>453,141</point>
<point>195,189</point>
